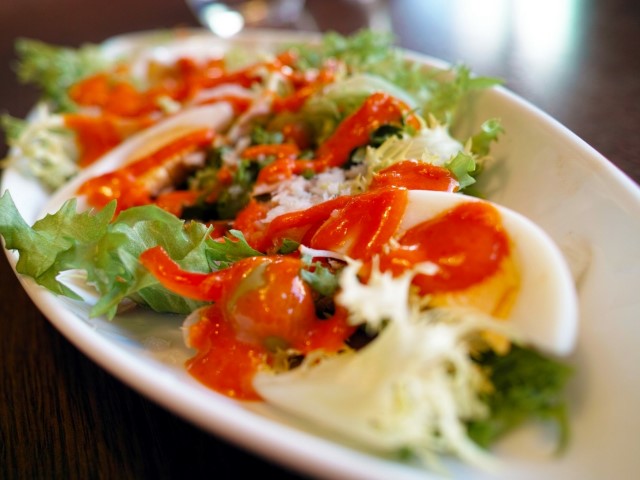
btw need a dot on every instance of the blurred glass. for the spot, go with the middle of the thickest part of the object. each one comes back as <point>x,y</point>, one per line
<point>226,18</point>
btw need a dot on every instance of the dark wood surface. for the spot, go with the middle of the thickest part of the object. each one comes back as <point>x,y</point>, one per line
<point>61,416</point>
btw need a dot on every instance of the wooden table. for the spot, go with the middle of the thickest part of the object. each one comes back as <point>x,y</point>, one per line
<point>61,416</point>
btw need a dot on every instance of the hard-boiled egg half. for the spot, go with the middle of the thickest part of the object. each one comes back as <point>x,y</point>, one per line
<point>535,292</point>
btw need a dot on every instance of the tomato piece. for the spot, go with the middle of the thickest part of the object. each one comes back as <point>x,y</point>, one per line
<point>265,299</point>
<point>263,306</point>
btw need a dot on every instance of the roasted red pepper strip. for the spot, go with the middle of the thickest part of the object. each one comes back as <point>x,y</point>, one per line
<point>248,221</point>
<point>284,168</point>
<point>115,96</point>
<point>298,225</point>
<point>176,200</point>
<point>354,131</point>
<point>364,225</point>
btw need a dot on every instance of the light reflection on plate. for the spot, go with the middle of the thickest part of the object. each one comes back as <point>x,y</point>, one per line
<point>541,170</point>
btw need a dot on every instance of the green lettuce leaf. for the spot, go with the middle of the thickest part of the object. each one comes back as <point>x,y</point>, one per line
<point>448,88</point>
<point>438,92</point>
<point>45,249</point>
<point>464,167</point>
<point>321,279</point>
<point>526,385</point>
<point>108,252</point>
<point>53,69</point>
<point>223,253</point>
<point>489,133</point>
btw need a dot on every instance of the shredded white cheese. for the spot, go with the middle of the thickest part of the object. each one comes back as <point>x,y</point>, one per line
<point>299,193</point>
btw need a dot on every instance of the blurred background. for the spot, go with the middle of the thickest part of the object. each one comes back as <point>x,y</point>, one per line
<point>575,59</point>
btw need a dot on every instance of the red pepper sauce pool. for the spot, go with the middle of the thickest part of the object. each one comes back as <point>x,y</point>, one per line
<point>467,244</point>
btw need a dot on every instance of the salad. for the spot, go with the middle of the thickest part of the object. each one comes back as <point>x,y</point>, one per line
<point>264,196</point>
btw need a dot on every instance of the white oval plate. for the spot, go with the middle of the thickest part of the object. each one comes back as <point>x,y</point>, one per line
<point>543,171</point>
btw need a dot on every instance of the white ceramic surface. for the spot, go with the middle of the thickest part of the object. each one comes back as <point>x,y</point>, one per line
<point>541,170</point>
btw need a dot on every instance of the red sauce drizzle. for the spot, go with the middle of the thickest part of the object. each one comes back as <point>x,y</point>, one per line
<point>415,175</point>
<point>223,363</point>
<point>356,225</point>
<point>354,131</point>
<point>467,244</point>
<point>94,135</point>
<point>127,184</point>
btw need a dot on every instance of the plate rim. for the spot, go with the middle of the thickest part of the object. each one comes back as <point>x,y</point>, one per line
<point>86,339</point>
